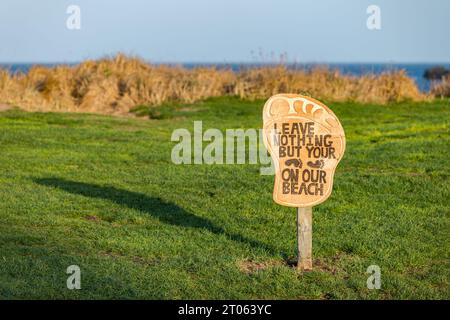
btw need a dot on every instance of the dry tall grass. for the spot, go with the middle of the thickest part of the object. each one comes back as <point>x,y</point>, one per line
<point>115,85</point>
<point>442,89</point>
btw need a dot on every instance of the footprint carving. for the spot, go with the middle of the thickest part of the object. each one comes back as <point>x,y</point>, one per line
<point>319,164</point>
<point>300,130</point>
<point>295,162</point>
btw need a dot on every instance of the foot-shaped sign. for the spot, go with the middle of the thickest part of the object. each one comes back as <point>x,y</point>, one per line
<point>306,142</point>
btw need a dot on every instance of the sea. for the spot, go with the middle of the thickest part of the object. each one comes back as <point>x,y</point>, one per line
<point>414,70</point>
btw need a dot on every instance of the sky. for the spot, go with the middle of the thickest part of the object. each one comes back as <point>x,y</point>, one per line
<point>226,31</point>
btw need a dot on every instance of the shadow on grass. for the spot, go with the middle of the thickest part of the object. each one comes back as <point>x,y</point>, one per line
<point>166,212</point>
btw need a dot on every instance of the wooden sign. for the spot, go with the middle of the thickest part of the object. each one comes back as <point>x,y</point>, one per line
<point>306,142</point>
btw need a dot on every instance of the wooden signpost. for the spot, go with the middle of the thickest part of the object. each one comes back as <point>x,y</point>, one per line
<point>306,142</point>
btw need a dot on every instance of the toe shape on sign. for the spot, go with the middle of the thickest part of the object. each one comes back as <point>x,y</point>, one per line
<point>279,107</point>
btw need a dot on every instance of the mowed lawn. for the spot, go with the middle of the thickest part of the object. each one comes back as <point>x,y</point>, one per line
<point>102,193</point>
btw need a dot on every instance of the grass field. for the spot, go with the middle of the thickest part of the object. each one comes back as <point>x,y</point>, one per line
<point>102,193</point>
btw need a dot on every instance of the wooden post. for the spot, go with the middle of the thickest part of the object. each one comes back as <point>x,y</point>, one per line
<point>304,238</point>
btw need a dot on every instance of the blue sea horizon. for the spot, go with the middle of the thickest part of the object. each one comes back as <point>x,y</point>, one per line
<point>413,70</point>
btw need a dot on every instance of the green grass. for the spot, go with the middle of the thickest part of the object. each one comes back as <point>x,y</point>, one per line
<point>102,193</point>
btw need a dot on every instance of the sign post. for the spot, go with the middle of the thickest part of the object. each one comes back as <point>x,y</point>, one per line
<point>306,142</point>
<point>304,238</point>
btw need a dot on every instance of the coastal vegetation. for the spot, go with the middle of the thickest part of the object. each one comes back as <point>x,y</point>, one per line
<point>119,84</point>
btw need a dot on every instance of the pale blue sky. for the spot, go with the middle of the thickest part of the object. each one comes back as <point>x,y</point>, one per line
<point>226,30</point>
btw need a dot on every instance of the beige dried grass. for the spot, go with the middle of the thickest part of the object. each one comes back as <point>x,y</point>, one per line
<point>115,85</point>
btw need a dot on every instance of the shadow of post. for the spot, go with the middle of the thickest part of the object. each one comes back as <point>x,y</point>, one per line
<point>164,211</point>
